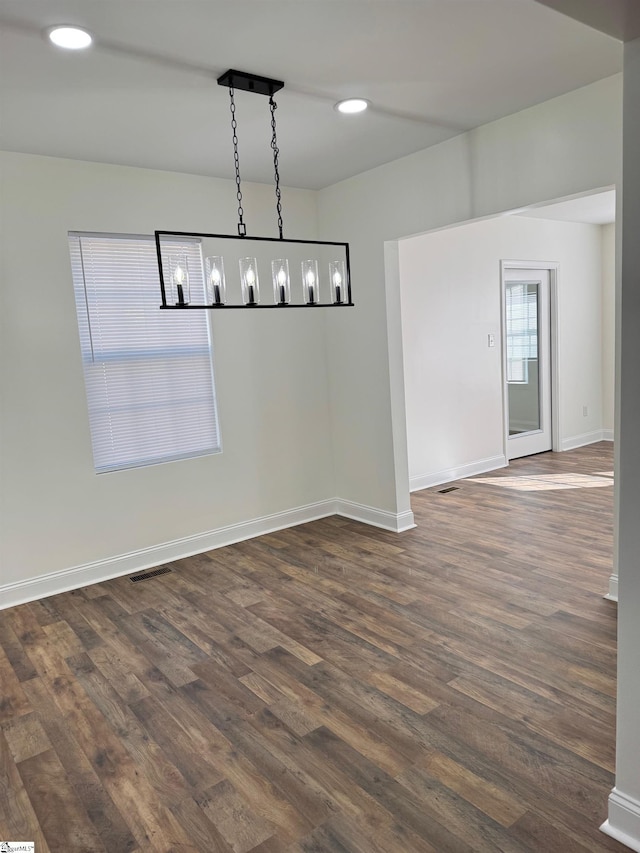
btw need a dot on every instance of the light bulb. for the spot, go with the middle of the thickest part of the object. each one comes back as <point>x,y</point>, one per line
<point>250,277</point>
<point>352,105</point>
<point>311,279</point>
<point>282,277</point>
<point>179,275</point>
<point>216,278</point>
<point>337,279</point>
<point>71,38</point>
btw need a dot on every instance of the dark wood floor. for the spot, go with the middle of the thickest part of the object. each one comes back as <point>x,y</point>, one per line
<point>332,687</point>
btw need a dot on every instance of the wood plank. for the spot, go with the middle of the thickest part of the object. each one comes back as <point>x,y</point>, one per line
<point>472,824</point>
<point>261,794</point>
<point>22,667</point>
<point>109,822</point>
<point>25,737</point>
<point>132,792</point>
<point>204,834</point>
<point>404,693</point>
<point>64,822</point>
<point>198,768</point>
<point>116,669</point>
<point>352,729</point>
<point>17,816</point>
<point>409,810</point>
<point>489,798</point>
<point>13,702</point>
<point>64,607</point>
<point>297,787</point>
<point>239,826</point>
<point>65,639</point>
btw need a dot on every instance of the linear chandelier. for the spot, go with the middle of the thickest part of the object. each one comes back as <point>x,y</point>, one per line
<point>299,273</point>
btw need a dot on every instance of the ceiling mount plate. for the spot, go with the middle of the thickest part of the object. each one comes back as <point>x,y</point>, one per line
<point>250,82</point>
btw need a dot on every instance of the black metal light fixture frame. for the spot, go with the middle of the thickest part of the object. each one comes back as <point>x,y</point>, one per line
<point>263,86</point>
<point>198,236</point>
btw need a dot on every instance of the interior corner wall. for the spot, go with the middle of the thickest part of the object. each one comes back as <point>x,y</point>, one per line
<point>273,405</point>
<point>608,238</point>
<point>562,147</point>
<point>451,292</point>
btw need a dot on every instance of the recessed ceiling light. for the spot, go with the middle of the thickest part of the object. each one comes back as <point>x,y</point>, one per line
<point>71,38</point>
<point>352,105</point>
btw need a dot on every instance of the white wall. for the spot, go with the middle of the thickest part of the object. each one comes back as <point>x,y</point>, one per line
<point>450,291</point>
<point>624,802</point>
<point>608,236</point>
<point>562,147</point>
<point>273,402</point>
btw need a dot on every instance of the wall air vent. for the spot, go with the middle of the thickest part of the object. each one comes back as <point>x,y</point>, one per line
<point>145,576</point>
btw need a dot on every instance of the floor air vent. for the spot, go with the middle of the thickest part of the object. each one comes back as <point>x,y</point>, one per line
<point>146,575</point>
<point>449,489</point>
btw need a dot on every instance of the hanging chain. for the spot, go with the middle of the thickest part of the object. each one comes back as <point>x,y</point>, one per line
<point>276,151</point>
<point>242,228</point>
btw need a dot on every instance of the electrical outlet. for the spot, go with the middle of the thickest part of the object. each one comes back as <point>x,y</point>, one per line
<point>585,411</point>
<point>491,340</point>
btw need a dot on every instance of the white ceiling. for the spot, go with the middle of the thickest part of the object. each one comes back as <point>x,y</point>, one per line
<point>597,209</point>
<point>145,94</point>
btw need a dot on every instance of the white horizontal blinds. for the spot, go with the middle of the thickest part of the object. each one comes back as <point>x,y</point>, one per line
<point>522,329</point>
<point>148,372</point>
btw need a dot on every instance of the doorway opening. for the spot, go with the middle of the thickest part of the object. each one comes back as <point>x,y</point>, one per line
<point>451,318</point>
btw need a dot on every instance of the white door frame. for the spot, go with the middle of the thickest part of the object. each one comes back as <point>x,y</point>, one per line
<point>552,267</point>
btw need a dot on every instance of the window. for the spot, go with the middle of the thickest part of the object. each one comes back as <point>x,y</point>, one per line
<point>148,373</point>
<point>522,330</point>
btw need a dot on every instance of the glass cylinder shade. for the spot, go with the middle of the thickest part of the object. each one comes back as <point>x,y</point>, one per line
<point>338,282</point>
<point>178,280</point>
<point>281,281</point>
<point>249,281</point>
<point>310,282</point>
<point>216,289</point>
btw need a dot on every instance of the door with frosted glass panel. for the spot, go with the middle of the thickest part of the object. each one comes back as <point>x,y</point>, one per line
<point>527,347</point>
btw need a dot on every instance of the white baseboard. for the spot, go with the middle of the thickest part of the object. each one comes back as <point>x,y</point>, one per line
<point>624,820</point>
<point>575,441</point>
<point>612,595</point>
<point>427,481</point>
<point>395,522</point>
<point>65,580</point>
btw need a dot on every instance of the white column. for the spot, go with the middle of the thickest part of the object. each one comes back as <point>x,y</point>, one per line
<point>624,801</point>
